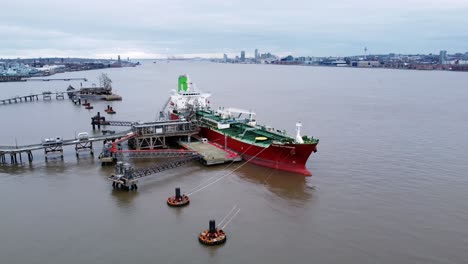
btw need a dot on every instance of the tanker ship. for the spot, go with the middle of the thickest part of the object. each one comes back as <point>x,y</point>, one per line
<point>237,130</point>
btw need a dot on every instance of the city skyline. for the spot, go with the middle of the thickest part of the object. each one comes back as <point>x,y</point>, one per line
<point>208,28</point>
<point>241,55</point>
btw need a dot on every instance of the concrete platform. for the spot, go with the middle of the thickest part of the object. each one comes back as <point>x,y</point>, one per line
<point>212,153</point>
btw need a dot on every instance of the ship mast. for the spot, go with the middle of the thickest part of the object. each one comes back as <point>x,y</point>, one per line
<point>298,133</point>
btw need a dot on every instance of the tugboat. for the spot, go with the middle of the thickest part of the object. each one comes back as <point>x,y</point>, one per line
<point>109,110</point>
<point>237,130</point>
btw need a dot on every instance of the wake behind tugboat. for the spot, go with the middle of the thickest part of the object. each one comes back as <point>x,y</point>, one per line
<point>237,130</point>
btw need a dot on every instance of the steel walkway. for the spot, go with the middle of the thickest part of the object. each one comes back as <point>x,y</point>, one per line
<point>65,142</point>
<point>143,172</point>
<point>126,177</point>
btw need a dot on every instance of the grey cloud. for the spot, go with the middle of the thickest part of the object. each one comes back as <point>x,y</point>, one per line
<point>208,26</point>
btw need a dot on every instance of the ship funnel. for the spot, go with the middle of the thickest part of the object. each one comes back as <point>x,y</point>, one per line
<point>183,83</point>
<point>298,133</point>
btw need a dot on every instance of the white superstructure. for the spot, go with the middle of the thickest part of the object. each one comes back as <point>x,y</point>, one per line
<point>187,97</point>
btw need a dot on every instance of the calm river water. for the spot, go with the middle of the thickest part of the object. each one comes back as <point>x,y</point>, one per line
<point>389,184</point>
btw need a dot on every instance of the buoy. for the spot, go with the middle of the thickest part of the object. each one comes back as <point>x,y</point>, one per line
<point>213,236</point>
<point>178,200</point>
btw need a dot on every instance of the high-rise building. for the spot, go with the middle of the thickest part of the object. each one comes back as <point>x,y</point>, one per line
<point>242,57</point>
<point>256,55</point>
<point>225,58</point>
<point>443,57</point>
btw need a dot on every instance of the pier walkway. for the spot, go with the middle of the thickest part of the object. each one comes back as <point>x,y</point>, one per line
<point>155,153</point>
<point>46,96</point>
<point>15,152</point>
<point>55,79</point>
<point>144,140</point>
<point>16,78</point>
<point>126,176</point>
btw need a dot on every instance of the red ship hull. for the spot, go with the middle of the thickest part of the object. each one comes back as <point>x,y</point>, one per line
<point>287,157</point>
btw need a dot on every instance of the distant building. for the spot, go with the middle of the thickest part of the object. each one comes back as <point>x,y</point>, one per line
<point>256,55</point>
<point>225,58</point>
<point>267,56</point>
<point>242,56</point>
<point>365,64</point>
<point>301,59</point>
<point>288,58</point>
<point>443,57</point>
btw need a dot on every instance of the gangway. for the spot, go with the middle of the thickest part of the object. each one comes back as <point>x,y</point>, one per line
<point>115,144</point>
<point>99,121</point>
<point>155,153</point>
<point>126,177</point>
<point>109,157</point>
<point>119,123</point>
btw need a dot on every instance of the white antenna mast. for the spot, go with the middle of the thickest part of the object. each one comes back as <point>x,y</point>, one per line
<point>298,133</point>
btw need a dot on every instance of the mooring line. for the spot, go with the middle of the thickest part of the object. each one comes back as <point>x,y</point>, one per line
<point>221,222</point>
<point>203,182</point>
<point>229,173</point>
<point>238,210</point>
<point>232,162</point>
<point>225,168</point>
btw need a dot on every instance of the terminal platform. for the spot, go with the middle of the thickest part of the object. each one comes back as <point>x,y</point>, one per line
<point>211,153</point>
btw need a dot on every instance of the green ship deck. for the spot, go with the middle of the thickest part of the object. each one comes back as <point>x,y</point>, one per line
<point>239,129</point>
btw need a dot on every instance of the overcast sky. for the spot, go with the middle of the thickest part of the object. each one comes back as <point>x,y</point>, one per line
<point>156,28</point>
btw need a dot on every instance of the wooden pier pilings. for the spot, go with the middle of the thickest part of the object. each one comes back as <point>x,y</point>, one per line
<point>98,120</point>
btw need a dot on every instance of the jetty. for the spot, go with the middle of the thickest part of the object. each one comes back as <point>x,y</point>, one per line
<point>101,92</point>
<point>45,96</point>
<point>18,78</point>
<point>211,153</point>
<point>176,139</point>
<point>56,79</point>
<point>54,146</point>
<point>159,139</point>
<point>92,93</point>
